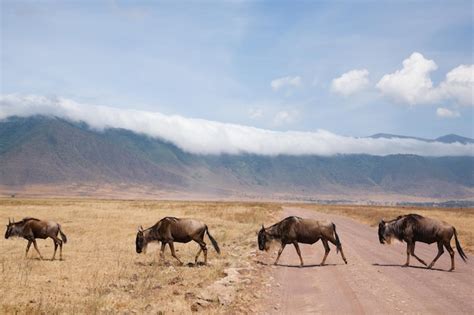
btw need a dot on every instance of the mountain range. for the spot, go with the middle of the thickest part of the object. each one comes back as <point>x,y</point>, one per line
<point>70,158</point>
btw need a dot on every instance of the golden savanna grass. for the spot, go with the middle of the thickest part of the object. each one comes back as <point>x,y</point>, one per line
<point>461,218</point>
<point>101,272</point>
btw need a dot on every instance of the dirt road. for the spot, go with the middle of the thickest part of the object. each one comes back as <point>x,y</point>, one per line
<point>373,281</point>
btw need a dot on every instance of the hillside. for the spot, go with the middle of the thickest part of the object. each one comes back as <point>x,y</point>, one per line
<point>54,152</point>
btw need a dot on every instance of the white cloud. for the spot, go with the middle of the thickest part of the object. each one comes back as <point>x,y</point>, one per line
<point>210,137</point>
<point>351,82</point>
<point>459,85</point>
<point>446,113</point>
<point>285,117</point>
<point>412,84</point>
<point>289,81</point>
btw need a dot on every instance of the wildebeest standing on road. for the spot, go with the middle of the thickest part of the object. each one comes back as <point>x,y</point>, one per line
<point>169,230</point>
<point>31,229</point>
<point>413,228</point>
<point>294,230</point>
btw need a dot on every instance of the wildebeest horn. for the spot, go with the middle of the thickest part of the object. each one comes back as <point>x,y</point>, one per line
<point>263,227</point>
<point>9,221</point>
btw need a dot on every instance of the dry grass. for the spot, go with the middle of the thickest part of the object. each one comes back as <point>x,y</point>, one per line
<point>101,272</point>
<point>461,218</point>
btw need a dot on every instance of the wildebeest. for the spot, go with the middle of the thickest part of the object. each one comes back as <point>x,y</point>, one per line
<point>31,229</point>
<point>413,228</point>
<point>294,230</point>
<point>169,230</point>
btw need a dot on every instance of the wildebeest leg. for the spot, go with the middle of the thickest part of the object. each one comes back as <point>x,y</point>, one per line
<point>27,248</point>
<point>173,253</point>
<point>413,254</point>
<point>451,253</point>
<point>37,250</point>
<point>299,252</point>
<point>60,250</point>
<point>339,248</point>
<point>202,248</point>
<point>55,249</point>
<point>408,255</point>
<point>440,252</point>
<point>197,255</point>
<point>342,254</point>
<point>162,251</point>
<point>279,252</point>
<point>326,251</point>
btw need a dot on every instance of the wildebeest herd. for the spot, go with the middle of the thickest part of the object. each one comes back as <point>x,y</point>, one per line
<point>409,228</point>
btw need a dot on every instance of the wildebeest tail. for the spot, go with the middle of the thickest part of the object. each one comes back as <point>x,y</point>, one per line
<point>63,236</point>
<point>458,246</point>
<point>338,242</point>
<point>213,241</point>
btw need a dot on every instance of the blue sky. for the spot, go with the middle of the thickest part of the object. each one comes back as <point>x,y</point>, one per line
<point>217,61</point>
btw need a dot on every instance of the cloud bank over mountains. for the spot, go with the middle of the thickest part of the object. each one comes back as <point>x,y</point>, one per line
<point>210,137</point>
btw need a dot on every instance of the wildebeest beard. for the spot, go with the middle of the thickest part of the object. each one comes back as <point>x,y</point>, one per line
<point>141,241</point>
<point>267,237</point>
<point>388,231</point>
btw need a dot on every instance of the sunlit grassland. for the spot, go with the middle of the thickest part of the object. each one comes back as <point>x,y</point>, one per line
<point>101,271</point>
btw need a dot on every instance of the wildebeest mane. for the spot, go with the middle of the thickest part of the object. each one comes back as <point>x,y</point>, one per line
<point>26,219</point>
<point>399,224</point>
<point>277,229</point>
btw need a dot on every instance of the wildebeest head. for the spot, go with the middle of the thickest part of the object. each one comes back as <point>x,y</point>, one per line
<point>262,239</point>
<point>383,232</point>
<point>10,227</point>
<point>140,241</point>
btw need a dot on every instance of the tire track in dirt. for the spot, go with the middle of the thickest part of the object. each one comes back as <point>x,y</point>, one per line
<point>372,282</point>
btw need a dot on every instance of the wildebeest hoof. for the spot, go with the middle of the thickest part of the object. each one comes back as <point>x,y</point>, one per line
<point>452,269</point>
<point>405,265</point>
<point>430,266</point>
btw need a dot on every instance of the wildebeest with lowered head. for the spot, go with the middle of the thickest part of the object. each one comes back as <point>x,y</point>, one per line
<point>413,228</point>
<point>294,230</point>
<point>31,229</point>
<point>169,230</point>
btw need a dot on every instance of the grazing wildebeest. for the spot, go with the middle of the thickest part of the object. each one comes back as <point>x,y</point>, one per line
<point>294,230</point>
<point>31,229</point>
<point>169,230</point>
<point>413,228</point>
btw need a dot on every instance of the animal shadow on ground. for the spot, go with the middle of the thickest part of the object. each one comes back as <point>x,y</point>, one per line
<point>296,266</point>
<point>167,264</point>
<point>198,264</point>
<point>153,263</point>
<point>414,267</point>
